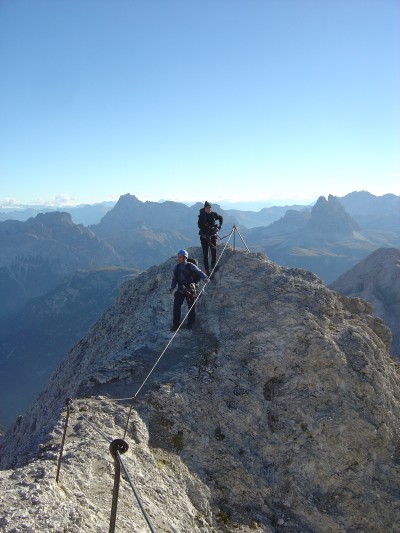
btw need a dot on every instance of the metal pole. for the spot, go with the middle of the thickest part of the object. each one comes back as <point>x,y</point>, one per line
<point>68,401</point>
<point>242,239</point>
<point>234,238</point>
<point>121,446</point>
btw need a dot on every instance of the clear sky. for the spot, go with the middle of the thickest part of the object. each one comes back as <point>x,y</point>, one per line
<point>262,100</point>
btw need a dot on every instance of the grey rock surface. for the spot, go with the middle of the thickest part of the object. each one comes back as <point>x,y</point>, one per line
<point>377,280</point>
<point>278,412</point>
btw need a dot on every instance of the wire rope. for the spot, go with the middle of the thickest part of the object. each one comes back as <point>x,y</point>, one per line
<point>172,338</point>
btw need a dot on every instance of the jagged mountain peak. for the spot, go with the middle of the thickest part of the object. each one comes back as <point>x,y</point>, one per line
<point>127,200</point>
<point>329,217</point>
<point>279,410</point>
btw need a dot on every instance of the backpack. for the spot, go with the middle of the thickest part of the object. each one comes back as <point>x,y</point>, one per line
<point>196,278</point>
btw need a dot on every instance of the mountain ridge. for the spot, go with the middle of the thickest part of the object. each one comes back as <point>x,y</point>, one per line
<point>39,253</point>
<point>376,279</point>
<point>278,412</point>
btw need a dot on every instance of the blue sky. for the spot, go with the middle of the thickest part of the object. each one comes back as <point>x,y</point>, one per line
<point>240,100</point>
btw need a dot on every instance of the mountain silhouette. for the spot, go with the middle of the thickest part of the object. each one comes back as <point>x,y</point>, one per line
<point>145,233</point>
<point>379,213</point>
<point>325,240</point>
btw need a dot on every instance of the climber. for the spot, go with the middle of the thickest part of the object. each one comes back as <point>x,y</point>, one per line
<point>184,276</point>
<point>209,224</point>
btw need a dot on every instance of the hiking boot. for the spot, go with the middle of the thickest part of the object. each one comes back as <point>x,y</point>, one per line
<point>189,326</point>
<point>174,328</point>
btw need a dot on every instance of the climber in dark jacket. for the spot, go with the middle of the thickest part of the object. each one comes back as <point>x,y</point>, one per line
<point>209,224</point>
<point>183,277</point>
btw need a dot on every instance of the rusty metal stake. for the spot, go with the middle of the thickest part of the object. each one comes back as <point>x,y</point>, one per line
<point>121,446</point>
<point>68,402</point>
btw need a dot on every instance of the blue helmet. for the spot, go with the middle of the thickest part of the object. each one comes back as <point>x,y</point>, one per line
<point>184,253</point>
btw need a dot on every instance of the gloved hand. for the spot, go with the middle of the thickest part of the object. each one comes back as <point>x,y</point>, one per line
<point>219,227</point>
<point>206,281</point>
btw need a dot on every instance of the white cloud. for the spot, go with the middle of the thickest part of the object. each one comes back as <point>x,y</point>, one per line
<point>9,202</point>
<point>57,200</point>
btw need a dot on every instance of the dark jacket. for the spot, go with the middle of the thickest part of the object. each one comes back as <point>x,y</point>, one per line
<point>183,274</point>
<point>208,222</point>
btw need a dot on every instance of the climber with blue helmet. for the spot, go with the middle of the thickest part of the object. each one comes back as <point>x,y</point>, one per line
<point>185,276</point>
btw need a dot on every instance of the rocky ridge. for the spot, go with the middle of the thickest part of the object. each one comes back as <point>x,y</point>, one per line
<point>278,412</point>
<point>377,280</point>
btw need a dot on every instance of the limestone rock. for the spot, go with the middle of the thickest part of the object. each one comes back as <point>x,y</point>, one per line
<point>279,411</point>
<point>376,279</point>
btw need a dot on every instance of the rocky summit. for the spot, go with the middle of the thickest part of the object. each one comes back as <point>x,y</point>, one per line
<point>279,411</point>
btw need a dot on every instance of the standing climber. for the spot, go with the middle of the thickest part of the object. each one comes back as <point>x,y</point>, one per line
<point>184,276</point>
<point>209,224</point>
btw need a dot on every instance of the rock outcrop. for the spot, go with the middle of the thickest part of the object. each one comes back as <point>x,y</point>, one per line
<point>377,280</point>
<point>278,412</point>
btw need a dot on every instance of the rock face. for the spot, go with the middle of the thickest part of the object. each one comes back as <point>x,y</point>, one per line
<point>329,218</point>
<point>279,411</point>
<point>377,280</point>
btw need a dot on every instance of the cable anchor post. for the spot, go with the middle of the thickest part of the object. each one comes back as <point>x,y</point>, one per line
<point>117,446</point>
<point>68,403</point>
<point>240,235</point>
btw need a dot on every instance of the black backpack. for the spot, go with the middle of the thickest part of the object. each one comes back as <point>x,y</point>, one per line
<point>196,278</point>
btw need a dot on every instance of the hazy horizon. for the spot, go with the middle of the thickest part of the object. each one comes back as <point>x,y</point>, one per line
<point>240,102</point>
<point>224,204</point>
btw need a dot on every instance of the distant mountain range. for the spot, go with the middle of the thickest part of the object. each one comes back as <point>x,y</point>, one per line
<point>146,233</point>
<point>33,341</point>
<point>40,257</point>
<point>81,214</point>
<point>38,254</point>
<point>326,239</point>
<point>372,212</point>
